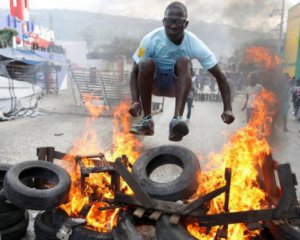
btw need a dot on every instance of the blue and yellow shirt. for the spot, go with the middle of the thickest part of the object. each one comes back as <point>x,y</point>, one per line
<point>156,45</point>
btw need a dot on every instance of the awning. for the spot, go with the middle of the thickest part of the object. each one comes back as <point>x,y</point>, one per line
<point>32,57</point>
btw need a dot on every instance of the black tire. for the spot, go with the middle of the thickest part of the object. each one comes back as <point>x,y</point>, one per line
<point>182,187</point>
<point>284,231</point>
<point>47,224</point>
<point>8,207</point>
<point>3,169</point>
<point>167,231</point>
<point>10,218</point>
<point>2,197</point>
<point>81,232</point>
<point>45,227</point>
<point>20,193</point>
<point>17,231</point>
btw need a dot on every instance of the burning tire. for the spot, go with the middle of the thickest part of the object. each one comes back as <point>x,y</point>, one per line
<point>47,224</point>
<point>17,231</point>
<point>180,188</point>
<point>19,179</point>
<point>3,169</point>
<point>284,230</point>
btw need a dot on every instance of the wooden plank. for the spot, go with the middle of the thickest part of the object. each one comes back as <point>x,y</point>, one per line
<point>140,194</point>
<point>289,196</point>
<point>251,216</point>
<point>139,212</point>
<point>155,215</point>
<point>162,206</point>
<point>186,209</point>
<point>269,178</point>
<point>174,219</point>
<point>42,153</point>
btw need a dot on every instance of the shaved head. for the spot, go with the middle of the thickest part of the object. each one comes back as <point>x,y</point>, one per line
<point>179,5</point>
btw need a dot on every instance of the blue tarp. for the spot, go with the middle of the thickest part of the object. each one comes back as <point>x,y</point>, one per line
<point>22,55</point>
<point>33,57</point>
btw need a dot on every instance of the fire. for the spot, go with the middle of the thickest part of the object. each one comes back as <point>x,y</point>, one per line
<point>103,220</point>
<point>243,154</point>
<point>90,192</point>
<point>124,143</point>
<point>94,110</point>
<point>262,56</point>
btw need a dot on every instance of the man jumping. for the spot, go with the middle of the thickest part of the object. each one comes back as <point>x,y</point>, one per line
<point>162,66</point>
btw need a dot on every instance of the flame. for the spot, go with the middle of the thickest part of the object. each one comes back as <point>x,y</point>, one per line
<point>124,143</point>
<point>88,193</point>
<point>243,154</point>
<point>262,56</point>
<point>103,220</point>
<point>94,110</point>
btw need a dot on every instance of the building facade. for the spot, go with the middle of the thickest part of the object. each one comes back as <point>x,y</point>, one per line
<point>292,44</point>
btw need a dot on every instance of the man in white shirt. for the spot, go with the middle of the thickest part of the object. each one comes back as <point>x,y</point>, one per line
<point>252,92</point>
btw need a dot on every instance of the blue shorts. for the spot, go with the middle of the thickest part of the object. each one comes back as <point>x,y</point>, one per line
<point>164,83</point>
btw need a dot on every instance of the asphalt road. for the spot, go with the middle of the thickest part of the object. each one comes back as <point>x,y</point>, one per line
<point>61,123</point>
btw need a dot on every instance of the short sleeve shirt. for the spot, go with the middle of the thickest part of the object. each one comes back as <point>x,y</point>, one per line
<point>156,45</point>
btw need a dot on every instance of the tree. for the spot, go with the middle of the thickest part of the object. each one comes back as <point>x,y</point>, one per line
<point>6,37</point>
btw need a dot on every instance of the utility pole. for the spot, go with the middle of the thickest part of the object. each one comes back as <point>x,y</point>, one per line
<point>281,38</point>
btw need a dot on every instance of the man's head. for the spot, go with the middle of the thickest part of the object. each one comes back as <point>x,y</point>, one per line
<point>175,21</point>
<point>253,79</point>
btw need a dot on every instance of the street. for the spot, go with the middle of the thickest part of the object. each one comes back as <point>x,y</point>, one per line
<point>61,123</point>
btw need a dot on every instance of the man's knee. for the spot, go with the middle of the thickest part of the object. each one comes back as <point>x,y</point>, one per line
<point>147,66</point>
<point>183,64</point>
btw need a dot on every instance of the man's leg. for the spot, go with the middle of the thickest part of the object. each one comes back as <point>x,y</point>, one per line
<point>182,85</point>
<point>145,87</point>
<point>145,84</point>
<point>136,107</point>
<point>178,127</point>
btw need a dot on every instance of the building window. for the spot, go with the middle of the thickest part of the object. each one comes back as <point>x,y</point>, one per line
<point>25,3</point>
<point>15,3</point>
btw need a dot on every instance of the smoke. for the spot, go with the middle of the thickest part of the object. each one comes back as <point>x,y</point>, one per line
<point>247,14</point>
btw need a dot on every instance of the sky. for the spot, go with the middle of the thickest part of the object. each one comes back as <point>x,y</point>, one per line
<point>241,13</point>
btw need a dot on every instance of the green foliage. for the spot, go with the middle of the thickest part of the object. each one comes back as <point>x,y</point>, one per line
<point>6,37</point>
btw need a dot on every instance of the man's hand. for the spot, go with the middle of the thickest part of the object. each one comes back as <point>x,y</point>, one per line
<point>227,117</point>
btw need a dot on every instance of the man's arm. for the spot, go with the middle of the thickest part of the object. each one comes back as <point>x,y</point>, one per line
<point>223,85</point>
<point>134,83</point>
<point>246,102</point>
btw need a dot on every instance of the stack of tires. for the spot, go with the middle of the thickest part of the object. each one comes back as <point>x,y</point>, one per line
<point>13,220</point>
<point>32,185</point>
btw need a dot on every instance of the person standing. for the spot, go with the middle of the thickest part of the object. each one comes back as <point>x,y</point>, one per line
<point>284,97</point>
<point>252,92</point>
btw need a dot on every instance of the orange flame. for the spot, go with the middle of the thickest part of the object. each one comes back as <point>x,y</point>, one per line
<point>102,220</point>
<point>98,184</point>
<point>262,56</point>
<point>243,154</point>
<point>94,110</point>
